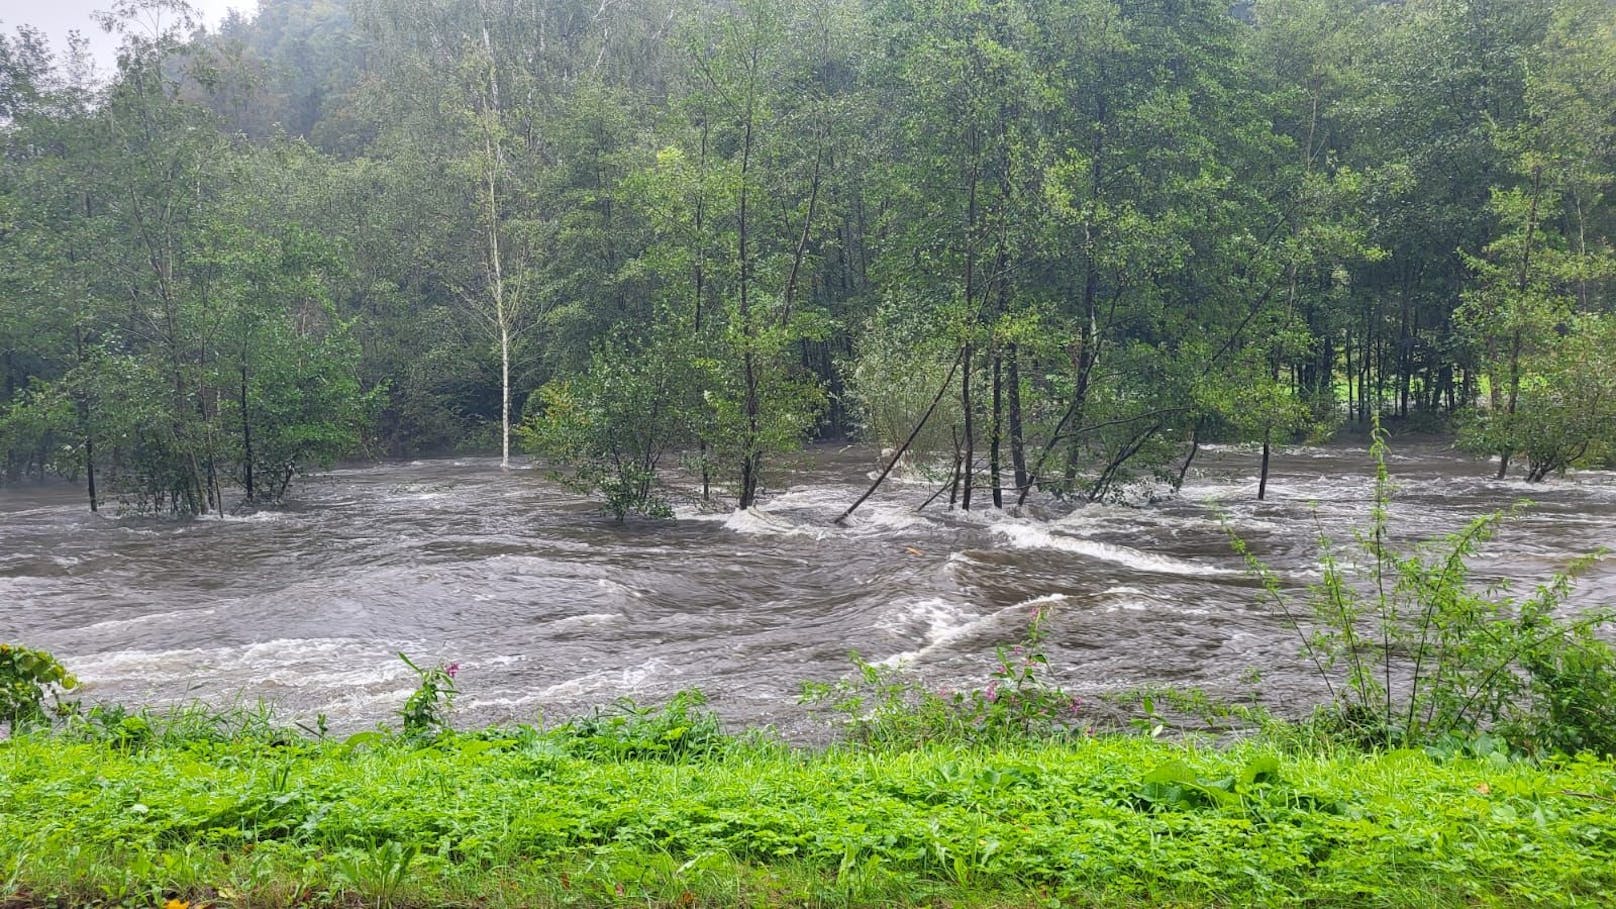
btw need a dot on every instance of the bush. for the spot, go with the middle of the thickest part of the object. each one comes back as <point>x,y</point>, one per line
<point>27,678</point>
<point>1412,654</point>
<point>890,384</point>
<point>679,730</point>
<point>614,426</point>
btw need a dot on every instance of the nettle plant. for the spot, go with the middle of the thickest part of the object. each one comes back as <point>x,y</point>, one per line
<point>886,706</point>
<point>1413,653</point>
<point>27,679</point>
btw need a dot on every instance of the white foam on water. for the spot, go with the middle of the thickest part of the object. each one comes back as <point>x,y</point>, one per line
<point>697,513</point>
<point>155,618</point>
<point>587,620</point>
<point>932,616</point>
<point>21,586</point>
<point>1132,599</point>
<point>886,518</point>
<point>256,517</point>
<point>757,522</point>
<point>314,663</point>
<point>1092,519</point>
<point>946,623</point>
<point>620,587</point>
<point>1124,591</point>
<point>822,504</point>
<point>1032,536</point>
<point>630,678</point>
<point>827,497</point>
<point>503,660</point>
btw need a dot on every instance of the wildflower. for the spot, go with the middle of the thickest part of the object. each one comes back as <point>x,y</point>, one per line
<point>452,670</point>
<point>992,693</point>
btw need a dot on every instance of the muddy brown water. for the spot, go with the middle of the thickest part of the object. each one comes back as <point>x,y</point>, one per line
<point>549,607</point>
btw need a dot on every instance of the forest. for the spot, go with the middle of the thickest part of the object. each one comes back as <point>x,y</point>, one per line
<point>1055,246</point>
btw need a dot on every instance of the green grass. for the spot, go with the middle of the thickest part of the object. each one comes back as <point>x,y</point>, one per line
<point>509,818</point>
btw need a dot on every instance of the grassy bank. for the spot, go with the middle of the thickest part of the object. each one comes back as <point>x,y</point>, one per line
<point>523,817</point>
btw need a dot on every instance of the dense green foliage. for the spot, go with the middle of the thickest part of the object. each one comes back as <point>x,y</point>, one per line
<point>27,678</point>
<point>1412,652</point>
<point>582,816</point>
<point>1076,239</point>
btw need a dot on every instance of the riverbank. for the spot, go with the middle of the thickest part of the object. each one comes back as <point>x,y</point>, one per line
<point>587,816</point>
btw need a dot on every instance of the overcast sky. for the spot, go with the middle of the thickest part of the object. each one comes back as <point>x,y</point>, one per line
<point>57,17</point>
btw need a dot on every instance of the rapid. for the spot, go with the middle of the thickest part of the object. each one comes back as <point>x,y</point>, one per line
<point>550,607</point>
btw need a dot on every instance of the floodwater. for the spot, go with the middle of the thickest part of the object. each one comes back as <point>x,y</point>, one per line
<point>550,607</point>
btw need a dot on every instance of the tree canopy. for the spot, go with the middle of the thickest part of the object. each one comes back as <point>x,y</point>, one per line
<point>1039,246</point>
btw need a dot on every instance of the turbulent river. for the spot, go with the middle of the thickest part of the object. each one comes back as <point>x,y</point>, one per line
<point>550,608</point>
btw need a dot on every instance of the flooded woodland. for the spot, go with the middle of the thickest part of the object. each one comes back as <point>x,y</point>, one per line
<point>550,607</point>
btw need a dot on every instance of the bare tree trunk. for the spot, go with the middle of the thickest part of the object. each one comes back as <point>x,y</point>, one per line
<point>969,456</point>
<point>1522,283</point>
<point>503,307</point>
<point>1262,482</point>
<point>246,435</point>
<point>1018,446</point>
<point>968,459</point>
<point>954,484</point>
<point>749,367</point>
<point>994,433</point>
<point>83,406</point>
<point>1195,448</point>
<point>505,396</point>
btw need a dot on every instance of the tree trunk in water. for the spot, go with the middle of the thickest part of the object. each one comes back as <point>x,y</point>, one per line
<point>504,396</point>
<point>89,471</point>
<point>1262,482</point>
<point>84,422</point>
<point>995,432</point>
<point>968,459</point>
<point>1195,448</point>
<point>954,483</point>
<point>1018,446</point>
<point>246,437</point>
<point>749,455</point>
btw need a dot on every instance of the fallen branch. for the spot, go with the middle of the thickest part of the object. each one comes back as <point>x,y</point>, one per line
<point>948,381</point>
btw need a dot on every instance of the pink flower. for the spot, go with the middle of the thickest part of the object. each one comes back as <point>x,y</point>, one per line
<point>452,670</point>
<point>992,693</point>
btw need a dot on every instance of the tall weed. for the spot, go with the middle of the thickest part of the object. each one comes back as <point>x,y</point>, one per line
<point>1413,653</point>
